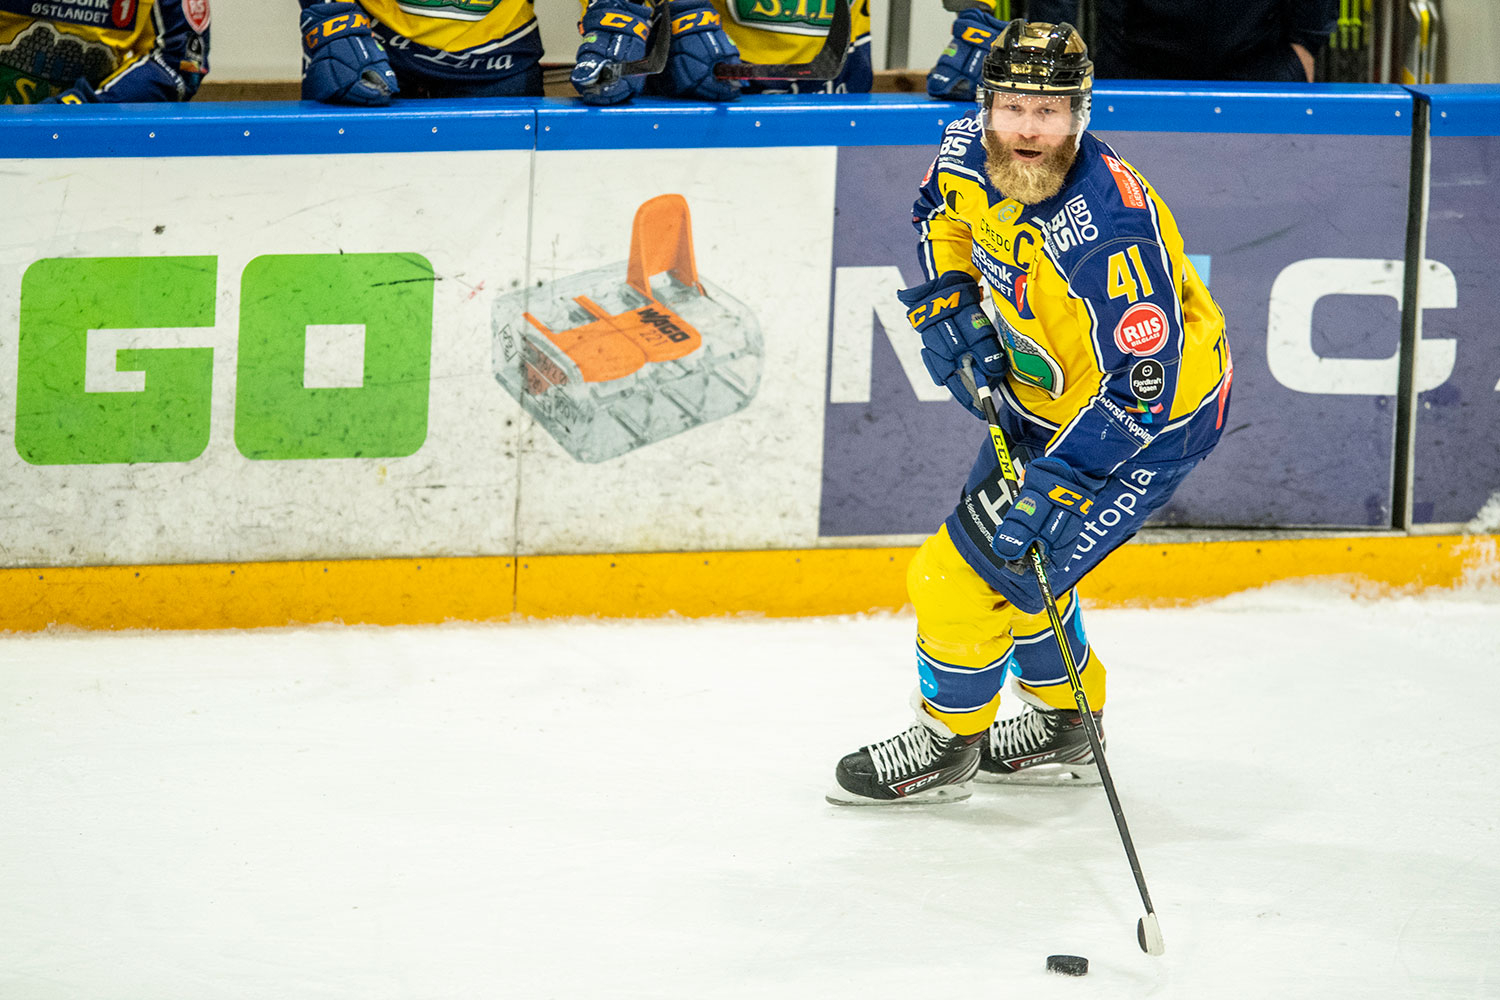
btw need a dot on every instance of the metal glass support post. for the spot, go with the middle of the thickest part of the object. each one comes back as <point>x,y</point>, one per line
<point>898,34</point>
<point>1404,466</point>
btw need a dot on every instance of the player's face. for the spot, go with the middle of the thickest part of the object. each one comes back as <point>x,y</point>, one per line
<point>1029,144</point>
<point>1030,126</point>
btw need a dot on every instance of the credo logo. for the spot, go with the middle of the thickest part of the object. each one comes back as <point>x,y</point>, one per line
<point>1142,330</point>
<point>157,405</point>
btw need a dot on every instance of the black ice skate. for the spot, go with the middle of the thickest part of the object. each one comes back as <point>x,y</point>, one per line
<point>927,763</point>
<point>1040,747</point>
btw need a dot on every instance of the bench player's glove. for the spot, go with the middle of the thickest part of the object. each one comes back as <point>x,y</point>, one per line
<point>698,45</point>
<point>614,32</point>
<point>342,63</point>
<point>946,312</point>
<point>1049,510</point>
<point>956,73</point>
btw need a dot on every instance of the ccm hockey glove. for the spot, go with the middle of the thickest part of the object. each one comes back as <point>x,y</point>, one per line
<point>698,45</point>
<point>342,63</point>
<point>946,312</point>
<point>614,32</point>
<point>956,73</point>
<point>1049,510</point>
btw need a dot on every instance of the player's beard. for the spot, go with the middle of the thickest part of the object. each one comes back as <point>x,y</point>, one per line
<point>1028,183</point>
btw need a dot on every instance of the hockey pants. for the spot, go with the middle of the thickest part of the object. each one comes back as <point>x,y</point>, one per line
<point>969,637</point>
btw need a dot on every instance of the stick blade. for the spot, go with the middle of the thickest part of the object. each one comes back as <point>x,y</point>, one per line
<point>826,65</point>
<point>1148,933</point>
<point>656,52</point>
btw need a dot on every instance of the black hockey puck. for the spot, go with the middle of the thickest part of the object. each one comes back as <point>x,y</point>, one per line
<point>1068,965</point>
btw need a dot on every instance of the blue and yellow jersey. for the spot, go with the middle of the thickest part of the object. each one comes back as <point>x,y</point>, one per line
<point>793,31</point>
<point>125,50</point>
<point>788,31</point>
<point>455,25</point>
<point>1113,340</point>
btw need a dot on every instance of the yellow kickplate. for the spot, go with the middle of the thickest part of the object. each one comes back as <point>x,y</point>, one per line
<point>258,595</point>
<point>645,585</point>
<point>694,584</point>
<point>1174,573</point>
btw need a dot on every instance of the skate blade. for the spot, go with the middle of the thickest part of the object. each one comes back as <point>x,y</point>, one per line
<point>930,797</point>
<point>1045,776</point>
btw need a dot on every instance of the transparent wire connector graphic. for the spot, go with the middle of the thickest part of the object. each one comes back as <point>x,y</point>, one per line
<point>618,357</point>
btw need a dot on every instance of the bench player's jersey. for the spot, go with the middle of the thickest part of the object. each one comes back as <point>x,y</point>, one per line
<point>779,31</point>
<point>790,31</point>
<point>450,48</point>
<point>455,25</point>
<point>126,50</point>
<point>1113,340</point>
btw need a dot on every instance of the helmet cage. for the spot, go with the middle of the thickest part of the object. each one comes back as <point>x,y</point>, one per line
<point>1008,112</point>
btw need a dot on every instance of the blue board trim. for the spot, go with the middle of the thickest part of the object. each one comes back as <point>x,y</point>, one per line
<point>1462,109</point>
<point>300,127</point>
<point>768,120</point>
<point>262,128</point>
<point>1256,108</point>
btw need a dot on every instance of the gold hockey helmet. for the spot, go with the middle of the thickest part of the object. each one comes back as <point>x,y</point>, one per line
<point>1031,65</point>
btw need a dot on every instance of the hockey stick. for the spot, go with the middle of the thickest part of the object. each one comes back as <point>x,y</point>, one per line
<point>1147,930</point>
<point>826,65</point>
<point>656,53</point>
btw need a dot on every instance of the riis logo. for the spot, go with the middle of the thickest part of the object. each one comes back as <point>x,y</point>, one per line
<point>71,306</point>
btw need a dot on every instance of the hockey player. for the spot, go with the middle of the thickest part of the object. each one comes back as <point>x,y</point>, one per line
<point>364,53</point>
<point>83,52</point>
<point>708,32</point>
<point>1109,362</point>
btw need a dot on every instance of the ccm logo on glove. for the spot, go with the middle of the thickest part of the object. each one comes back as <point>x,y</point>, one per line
<point>615,19</point>
<point>1064,497</point>
<point>335,26</point>
<point>697,19</point>
<point>933,310</point>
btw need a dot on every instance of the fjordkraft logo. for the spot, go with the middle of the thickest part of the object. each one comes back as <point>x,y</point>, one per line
<point>1147,379</point>
<point>1142,330</point>
<point>122,13</point>
<point>1131,191</point>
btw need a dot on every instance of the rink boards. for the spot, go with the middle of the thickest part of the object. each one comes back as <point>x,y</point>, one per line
<point>256,351</point>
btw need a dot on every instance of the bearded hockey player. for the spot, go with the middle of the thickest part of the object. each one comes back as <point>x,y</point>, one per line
<point>1111,371</point>
<point>364,53</point>
<point>85,52</point>
<point>708,32</point>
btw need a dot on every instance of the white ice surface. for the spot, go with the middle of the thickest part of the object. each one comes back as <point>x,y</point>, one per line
<point>603,810</point>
